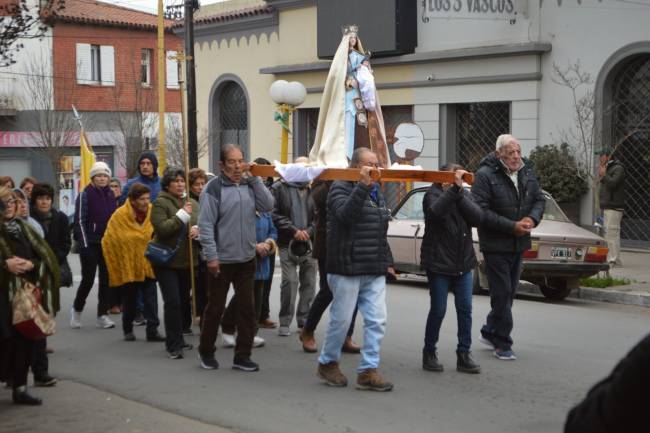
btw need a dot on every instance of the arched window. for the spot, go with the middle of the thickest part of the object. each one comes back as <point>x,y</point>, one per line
<point>630,133</point>
<point>229,122</point>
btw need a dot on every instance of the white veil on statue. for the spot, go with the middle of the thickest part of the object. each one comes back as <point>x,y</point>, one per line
<point>329,147</point>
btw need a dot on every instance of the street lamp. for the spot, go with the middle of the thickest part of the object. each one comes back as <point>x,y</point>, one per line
<point>288,96</point>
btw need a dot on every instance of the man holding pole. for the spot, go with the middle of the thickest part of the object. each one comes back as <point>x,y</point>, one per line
<point>358,260</point>
<point>227,234</point>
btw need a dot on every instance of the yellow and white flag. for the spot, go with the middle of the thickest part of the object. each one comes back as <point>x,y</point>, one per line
<point>87,161</point>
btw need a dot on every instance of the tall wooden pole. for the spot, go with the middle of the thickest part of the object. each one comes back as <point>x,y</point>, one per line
<point>162,151</point>
<point>180,57</point>
<point>190,82</point>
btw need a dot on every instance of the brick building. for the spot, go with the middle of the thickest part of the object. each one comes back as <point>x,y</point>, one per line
<point>102,59</point>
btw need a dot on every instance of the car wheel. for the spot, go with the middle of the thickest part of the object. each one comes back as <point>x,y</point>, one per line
<point>556,290</point>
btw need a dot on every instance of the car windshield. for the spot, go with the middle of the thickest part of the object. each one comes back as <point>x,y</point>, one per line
<point>552,212</point>
<point>411,209</point>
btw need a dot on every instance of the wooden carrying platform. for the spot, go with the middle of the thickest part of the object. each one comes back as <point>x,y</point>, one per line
<point>378,175</point>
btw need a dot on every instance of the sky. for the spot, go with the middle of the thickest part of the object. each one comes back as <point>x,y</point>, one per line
<point>151,5</point>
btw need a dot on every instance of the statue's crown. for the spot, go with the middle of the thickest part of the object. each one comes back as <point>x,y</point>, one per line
<point>352,29</point>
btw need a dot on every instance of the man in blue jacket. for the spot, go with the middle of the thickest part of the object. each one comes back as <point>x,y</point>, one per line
<point>147,175</point>
<point>506,188</point>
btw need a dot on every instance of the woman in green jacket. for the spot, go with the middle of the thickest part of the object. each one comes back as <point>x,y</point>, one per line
<point>24,255</point>
<point>173,215</point>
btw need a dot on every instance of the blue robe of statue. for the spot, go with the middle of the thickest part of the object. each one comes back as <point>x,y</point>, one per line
<point>354,60</point>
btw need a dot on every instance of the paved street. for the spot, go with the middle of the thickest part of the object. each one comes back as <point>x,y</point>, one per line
<point>563,348</point>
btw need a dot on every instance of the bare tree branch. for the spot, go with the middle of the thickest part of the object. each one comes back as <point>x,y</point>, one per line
<point>23,19</point>
<point>55,130</point>
<point>174,142</point>
<point>133,103</point>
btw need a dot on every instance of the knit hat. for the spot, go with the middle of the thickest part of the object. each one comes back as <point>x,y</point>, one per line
<point>100,168</point>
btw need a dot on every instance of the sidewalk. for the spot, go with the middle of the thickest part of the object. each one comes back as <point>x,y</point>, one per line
<point>636,268</point>
<point>74,407</point>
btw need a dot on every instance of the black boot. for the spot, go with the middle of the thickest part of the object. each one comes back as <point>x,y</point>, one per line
<point>21,396</point>
<point>466,364</point>
<point>430,361</point>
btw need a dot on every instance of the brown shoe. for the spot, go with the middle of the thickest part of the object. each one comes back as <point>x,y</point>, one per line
<point>350,346</point>
<point>308,341</point>
<point>331,374</point>
<point>115,310</point>
<point>268,324</point>
<point>371,380</point>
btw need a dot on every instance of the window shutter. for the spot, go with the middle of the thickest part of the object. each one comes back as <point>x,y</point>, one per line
<point>83,64</point>
<point>107,59</point>
<point>172,71</point>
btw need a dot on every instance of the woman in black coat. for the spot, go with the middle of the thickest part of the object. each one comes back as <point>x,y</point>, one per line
<point>57,235</point>
<point>448,256</point>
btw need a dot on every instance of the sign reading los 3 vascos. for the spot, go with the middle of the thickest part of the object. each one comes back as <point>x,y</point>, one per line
<point>468,8</point>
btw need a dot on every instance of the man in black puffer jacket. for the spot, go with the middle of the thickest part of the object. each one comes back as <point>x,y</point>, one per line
<point>358,258</point>
<point>506,188</point>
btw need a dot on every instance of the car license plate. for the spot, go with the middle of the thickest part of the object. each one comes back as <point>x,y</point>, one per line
<point>561,253</point>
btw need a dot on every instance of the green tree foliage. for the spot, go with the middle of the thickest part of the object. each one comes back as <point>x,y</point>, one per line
<point>558,172</point>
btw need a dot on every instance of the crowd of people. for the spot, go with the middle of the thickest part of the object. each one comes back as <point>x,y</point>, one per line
<point>227,231</point>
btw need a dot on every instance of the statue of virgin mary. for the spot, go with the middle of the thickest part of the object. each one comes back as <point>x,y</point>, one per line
<point>350,113</point>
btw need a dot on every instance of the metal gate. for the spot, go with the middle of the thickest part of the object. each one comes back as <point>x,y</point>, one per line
<point>631,136</point>
<point>232,116</point>
<point>477,127</point>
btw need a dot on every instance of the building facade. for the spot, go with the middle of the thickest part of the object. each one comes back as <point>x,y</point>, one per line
<point>479,69</point>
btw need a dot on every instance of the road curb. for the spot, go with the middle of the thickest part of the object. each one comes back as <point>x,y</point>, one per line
<point>626,297</point>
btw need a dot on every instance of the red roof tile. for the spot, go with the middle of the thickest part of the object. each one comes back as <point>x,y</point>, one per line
<point>234,15</point>
<point>105,14</point>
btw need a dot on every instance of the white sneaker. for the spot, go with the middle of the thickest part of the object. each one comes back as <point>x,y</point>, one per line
<point>105,322</point>
<point>228,340</point>
<point>284,331</point>
<point>258,341</point>
<point>75,319</point>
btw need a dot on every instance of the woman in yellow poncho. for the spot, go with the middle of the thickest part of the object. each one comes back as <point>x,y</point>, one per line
<point>128,232</point>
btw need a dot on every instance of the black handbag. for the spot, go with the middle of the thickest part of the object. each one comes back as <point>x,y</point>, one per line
<point>159,254</point>
<point>66,274</point>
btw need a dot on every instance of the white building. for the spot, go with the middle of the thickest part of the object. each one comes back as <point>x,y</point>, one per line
<point>480,68</point>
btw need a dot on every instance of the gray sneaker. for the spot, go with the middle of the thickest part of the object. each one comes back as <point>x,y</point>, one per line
<point>105,322</point>
<point>283,331</point>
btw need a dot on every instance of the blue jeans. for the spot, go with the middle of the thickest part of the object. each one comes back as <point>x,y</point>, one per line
<point>369,293</point>
<point>439,286</point>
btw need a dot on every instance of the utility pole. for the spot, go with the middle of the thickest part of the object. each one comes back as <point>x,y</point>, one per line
<point>162,151</point>
<point>190,82</point>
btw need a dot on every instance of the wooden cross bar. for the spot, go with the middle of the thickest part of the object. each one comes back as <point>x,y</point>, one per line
<point>378,175</point>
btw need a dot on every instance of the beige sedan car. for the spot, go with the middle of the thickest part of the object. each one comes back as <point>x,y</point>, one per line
<point>561,252</point>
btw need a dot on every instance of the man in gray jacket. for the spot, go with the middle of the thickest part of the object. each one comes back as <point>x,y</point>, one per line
<point>227,234</point>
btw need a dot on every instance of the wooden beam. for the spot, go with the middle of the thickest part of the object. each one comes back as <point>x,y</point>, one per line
<point>379,175</point>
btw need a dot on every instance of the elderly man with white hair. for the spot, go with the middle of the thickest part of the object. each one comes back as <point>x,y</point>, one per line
<point>507,190</point>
